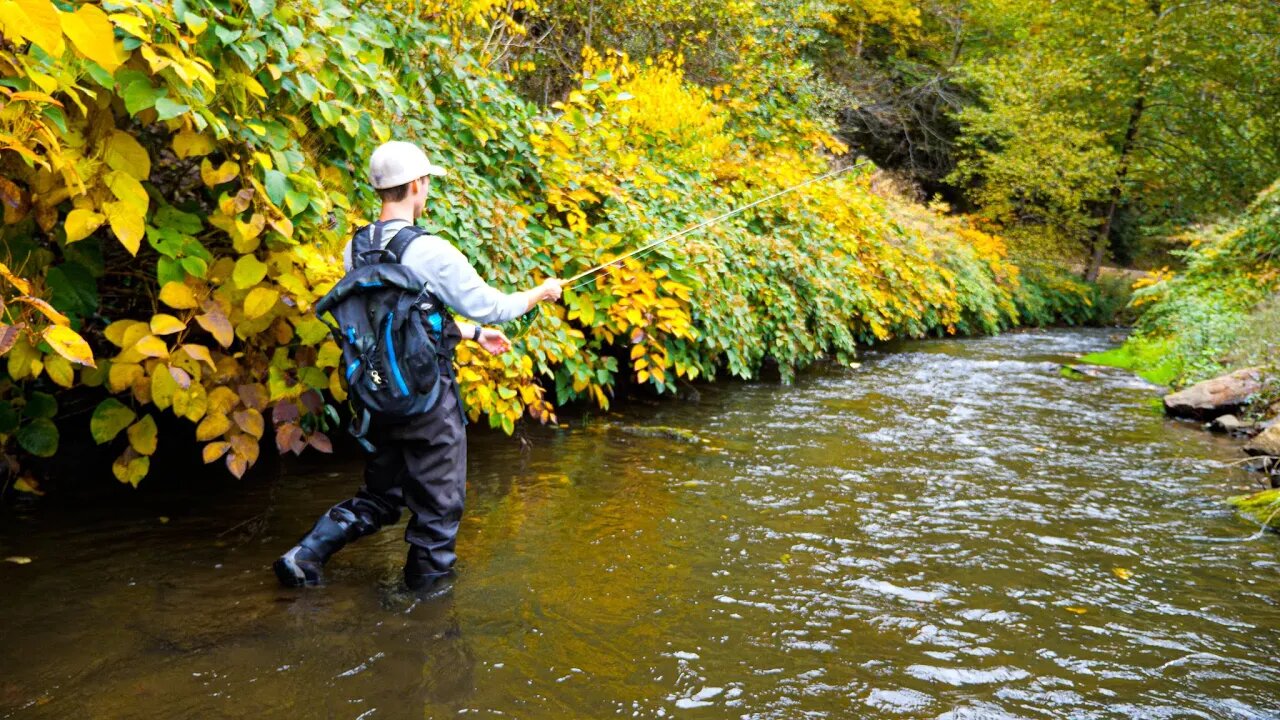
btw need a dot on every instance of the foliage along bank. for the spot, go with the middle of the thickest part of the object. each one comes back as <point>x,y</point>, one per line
<point>178,180</point>
<point>1218,313</point>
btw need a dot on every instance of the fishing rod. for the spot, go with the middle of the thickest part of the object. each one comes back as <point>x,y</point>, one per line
<point>584,277</point>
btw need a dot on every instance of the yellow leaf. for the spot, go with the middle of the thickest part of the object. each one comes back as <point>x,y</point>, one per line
<point>222,399</point>
<point>642,376</point>
<point>59,370</point>
<point>127,223</point>
<point>1077,610</point>
<point>163,387</point>
<point>125,154</point>
<point>142,436</point>
<point>45,309</point>
<point>250,421</point>
<point>214,450</point>
<point>34,20</point>
<point>214,425</point>
<point>117,331</point>
<point>68,343</point>
<point>216,176</point>
<point>152,346</point>
<point>81,223</point>
<point>188,144</point>
<point>163,324</point>
<point>200,352</point>
<point>132,24</point>
<point>129,469</point>
<point>18,559</point>
<point>128,190</point>
<point>178,296</point>
<point>93,35</point>
<point>18,283</point>
<point>1122,573</point>
<point>121,376</point>
<point>259,302</point>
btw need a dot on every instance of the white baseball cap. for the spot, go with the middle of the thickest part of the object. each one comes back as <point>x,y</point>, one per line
<point>396,163</point>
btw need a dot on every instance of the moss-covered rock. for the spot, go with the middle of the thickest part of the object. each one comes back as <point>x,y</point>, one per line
<point>1261,507</point>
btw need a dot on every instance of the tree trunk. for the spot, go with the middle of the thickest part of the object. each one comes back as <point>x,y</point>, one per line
<point>1102,240</point>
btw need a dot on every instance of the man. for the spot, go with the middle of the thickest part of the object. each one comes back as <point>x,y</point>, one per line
<point>418,462</point>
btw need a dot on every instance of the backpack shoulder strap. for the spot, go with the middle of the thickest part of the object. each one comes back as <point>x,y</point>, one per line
<point>403,239</point>
<point>364,244</point>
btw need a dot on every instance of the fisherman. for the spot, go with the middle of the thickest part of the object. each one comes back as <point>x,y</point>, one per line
<point>418,461</point>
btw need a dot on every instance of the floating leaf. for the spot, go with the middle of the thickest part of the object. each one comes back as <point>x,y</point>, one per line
<point>1122,573</point>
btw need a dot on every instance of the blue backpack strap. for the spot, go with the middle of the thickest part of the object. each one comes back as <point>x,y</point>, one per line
<point>402,240</point>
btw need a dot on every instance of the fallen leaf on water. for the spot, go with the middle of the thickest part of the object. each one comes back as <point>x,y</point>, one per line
<point>18,559</point>
<point>1076,610</point>
<point>1122,573</point>
<point>163,519</point>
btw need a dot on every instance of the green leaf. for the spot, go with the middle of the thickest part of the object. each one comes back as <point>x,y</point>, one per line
<point>39,437</point>
<point>8,417</point>
<point>109,418</point>
<point>169,216</point>
<point>167,109</point>
<point>262,8</point>
<point>40,405</point>
<point>248,272</point>
<point>138,94</point>
<point>72,289</point>
<point>276,184</point>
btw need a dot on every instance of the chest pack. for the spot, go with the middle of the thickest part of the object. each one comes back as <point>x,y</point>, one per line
<point>390,329</point>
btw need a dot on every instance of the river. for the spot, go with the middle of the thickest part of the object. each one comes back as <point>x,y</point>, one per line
<point>951,530</point>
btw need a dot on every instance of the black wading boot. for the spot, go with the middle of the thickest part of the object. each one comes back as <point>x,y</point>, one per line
<point>302,564</point>
<point>420,573</point>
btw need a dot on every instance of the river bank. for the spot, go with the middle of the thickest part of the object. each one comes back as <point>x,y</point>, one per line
<point>952,527</point>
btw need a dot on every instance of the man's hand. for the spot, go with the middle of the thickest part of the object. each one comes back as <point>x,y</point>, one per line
<point>550,289</point>
<point>494,341</point>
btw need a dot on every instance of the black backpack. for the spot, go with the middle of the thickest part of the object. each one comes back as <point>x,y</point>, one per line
<point>390,329</point>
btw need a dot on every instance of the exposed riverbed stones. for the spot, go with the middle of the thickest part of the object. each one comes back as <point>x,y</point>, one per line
<point>1223,395</point>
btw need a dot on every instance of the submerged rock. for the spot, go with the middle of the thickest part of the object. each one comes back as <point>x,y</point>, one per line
<point>1261,507</point>
<point>1222,395</point>
<point>1233,425</point>
<point>662,431</point>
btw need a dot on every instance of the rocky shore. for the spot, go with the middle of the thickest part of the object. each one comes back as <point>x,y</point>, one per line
<point>1237,404</point>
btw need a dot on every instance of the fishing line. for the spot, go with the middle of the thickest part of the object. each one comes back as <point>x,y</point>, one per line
<point>585,277</point>
<point>581,278</point>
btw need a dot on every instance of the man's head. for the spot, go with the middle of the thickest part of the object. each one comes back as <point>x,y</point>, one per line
<point>401,172</point>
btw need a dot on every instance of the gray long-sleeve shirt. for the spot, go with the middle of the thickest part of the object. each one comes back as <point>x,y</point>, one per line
<point>446,272</point>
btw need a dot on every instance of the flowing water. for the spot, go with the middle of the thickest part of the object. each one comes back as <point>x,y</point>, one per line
<point>952,530</point>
